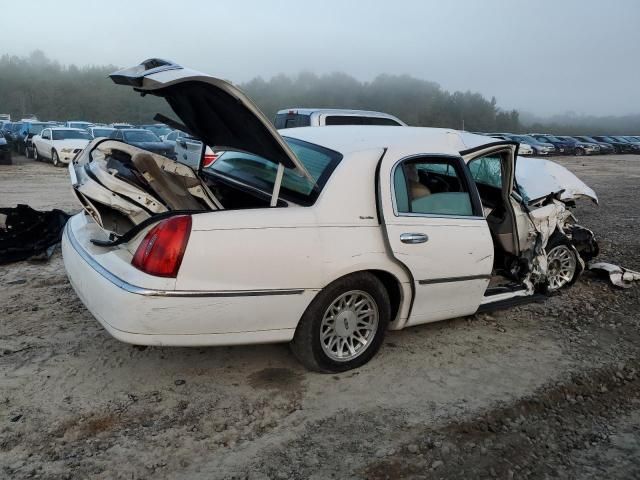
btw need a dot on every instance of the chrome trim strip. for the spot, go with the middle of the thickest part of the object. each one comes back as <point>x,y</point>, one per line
<point>149,292</point>
<point>454,279</point>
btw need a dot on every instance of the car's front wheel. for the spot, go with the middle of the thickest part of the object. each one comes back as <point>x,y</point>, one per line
<point>579,151</point>
<point>28,152</point>
<point>55,159</point>
<point>563,264</point>
<point>36,157</point>
<point>344,325</point>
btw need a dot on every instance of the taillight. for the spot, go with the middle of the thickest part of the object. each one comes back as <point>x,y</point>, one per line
<point>160,252</point>
<point>209,158</point>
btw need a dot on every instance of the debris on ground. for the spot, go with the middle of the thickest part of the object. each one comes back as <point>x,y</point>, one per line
<point>28,233</point>
<point>619,276</point>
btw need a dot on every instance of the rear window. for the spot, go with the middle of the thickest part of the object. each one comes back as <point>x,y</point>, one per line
<point>357,120</point>
<point>253,170</point>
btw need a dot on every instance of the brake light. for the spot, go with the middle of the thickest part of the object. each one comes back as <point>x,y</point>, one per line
<point>160,252</point>
<point>209,158</point>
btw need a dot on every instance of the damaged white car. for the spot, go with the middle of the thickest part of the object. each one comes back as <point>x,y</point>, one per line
<point>322,237</point>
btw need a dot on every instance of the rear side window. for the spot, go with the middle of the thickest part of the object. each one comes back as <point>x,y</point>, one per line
<point>291,120</point>
<point>357,120</point>
<point>432,186</point>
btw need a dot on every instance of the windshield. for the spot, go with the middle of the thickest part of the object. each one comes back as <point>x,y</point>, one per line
<point>622,139</point>
<point>140,136</point>
<point>159,130</point>
<point>260,173</point>
<point>102,132</point>
<point>69,135</point>
<point>78,124</point>
<point>530,139</point>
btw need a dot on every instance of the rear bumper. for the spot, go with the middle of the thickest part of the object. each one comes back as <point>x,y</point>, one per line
<point>152,316</point>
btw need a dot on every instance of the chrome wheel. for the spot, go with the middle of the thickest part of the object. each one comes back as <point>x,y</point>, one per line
<point>54,159</point>
<point>561,267</point>
<point>349,326</point>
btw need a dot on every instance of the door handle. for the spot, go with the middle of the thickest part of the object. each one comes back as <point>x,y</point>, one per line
<point>414,238</point>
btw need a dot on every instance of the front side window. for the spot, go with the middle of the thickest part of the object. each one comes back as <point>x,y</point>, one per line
<point>487,170</point>
<point>432,186</point>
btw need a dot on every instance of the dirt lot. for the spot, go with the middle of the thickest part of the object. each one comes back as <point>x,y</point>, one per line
<point>543,390</point>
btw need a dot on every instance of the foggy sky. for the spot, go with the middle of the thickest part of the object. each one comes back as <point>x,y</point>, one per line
<point>540,56</point>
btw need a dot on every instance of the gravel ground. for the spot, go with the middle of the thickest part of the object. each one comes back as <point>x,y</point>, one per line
<point>544,390</point>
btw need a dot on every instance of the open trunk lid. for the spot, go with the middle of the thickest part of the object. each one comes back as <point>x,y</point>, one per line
<point>213,110</point>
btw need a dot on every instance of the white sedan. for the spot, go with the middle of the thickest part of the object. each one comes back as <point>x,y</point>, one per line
<point>59,145</point>
<point>322,237</point>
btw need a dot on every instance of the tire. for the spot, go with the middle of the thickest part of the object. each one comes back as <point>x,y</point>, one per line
<point>564,266</point>
<point>55,159</point>
<point>28,152</point>
<point>334,312</point>
<point>36,157</point>
<point>579,151</point>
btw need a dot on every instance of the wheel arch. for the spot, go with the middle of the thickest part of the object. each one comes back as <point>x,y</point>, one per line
<point>400,292</point>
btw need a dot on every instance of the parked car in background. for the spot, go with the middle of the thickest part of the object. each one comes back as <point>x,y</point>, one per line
<point>538,147</point>
<point>160,129</point>
<point>29,117</point>
<point>11,134</point>
<point>632,142</point>
<point>620,147</point>
<point>563,147</point>
<point>5,151</point>
<point>121,126</point>
<point>605,148</point>
<point>320,117</point>
<point>59,145</point>
<point>78,124</point>
<point>322,237</point>
<point>97,132</point>
<point>141,138</point>
<point>523,148</point>
<point>172,136</point>
<point>580,147</point>
<point>22,141</point>
<point>5,117</point>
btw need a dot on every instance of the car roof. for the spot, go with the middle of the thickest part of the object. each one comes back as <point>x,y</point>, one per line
<point>67,129</point>
<point>344,111</point>
<point>350,138</point>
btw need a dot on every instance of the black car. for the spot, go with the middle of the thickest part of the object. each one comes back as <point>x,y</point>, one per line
<point>621,147</point>
<point>581,147</point>
<point>635,143</point>
<point>563,147</point>
<point>5,151</point>
<point>10,132</point>
<point>141,138</point>
<point>605,148</point>
<point>22,141</point>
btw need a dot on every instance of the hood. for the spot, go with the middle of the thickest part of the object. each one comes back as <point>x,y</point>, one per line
<point>212,109</point>
<point>538,177</point>
<point>72,143</point>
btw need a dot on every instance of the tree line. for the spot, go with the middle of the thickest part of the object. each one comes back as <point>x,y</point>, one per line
<point>38,85</point>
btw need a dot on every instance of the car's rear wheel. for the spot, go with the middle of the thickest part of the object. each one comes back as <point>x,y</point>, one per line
<point>344,325</point>
<point>55,159</point>
<point>563,265</point>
